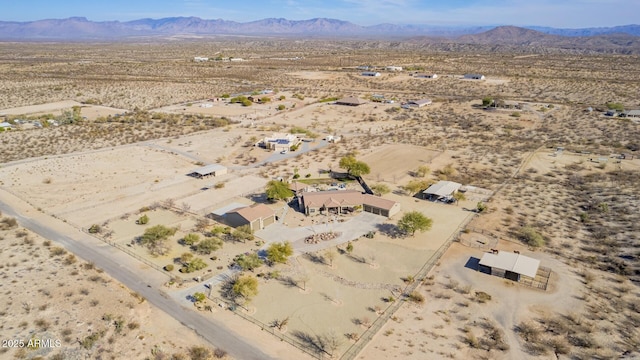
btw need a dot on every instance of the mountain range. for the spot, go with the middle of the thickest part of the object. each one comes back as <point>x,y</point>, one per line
<point>619,39</point>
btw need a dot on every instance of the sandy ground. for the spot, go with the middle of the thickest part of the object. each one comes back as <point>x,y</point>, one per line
<point>64,299</point>
<point>435,329</point>
<point>91,112</point>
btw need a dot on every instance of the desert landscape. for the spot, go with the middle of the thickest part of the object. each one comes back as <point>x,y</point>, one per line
<point>195,177</point>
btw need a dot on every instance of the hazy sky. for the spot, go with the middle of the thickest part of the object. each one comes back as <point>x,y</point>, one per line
<point>556,13</point>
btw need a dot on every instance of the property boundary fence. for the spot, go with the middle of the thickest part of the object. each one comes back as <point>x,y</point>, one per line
<point>355,349</point>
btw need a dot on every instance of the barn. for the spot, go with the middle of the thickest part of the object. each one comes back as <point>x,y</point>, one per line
<point>509,265</point>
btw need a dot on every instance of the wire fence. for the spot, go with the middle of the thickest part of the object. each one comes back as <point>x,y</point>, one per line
<point>355,349</point>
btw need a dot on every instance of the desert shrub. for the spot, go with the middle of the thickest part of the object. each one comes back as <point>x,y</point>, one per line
<point>219,353</point>
<point>194,265</point>
<point>169,267</point>
<point>416,297</point>
<point>482,297</point>
<point>531,236</point>
<point>191,239</point>
<point>95,229</point>
<point>199,353</point>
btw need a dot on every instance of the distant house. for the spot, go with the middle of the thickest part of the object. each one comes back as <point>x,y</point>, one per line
<point>257,216</point>
<point>6,126</point>
<point>200,59</point>
<point>419,103</point>
<point>370,73</point>
<point>343,201</point>
<point>631,113</point>
<point>508,104</point>
<point>426,76</point>
<point>393,68</point>
<point>351,101</point>
<point>474,76</point>
<point>440,190</point>
<point>261,98</point>
<point>509,265</point>
<point>209,170</point>
<point>280,142</point>
<point>364,67</point>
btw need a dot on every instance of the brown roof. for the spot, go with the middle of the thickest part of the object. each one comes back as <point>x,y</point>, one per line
<point>254,212</point>
<point>334,198</point>
<point>297,186</point>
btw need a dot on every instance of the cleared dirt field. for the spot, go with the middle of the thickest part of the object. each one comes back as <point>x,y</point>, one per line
<point>385,164</point>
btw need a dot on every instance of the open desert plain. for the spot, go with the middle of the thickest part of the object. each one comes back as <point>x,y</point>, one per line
<point>286,206</point>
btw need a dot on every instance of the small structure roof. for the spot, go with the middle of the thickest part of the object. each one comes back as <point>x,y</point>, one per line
<point>352,100</point>
<point>208,169</point>
<point>227,208</point>
<point>5,124</point>
<point>254,212</point>
<point>420,102</point>
<point>632,113</point>
<point>513,262</point>
<point>442,188</point>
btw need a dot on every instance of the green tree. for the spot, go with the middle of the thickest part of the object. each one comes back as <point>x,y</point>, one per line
<point>615,106</point>
<point>458,196</point>
<point>191,239</point>
<point>380,189</point>
<point>143,220</point>
<point>194,265</point>
<point>481,207</point>
<point>209,245</point>
<point>155,238</point>
<point>243,233</point>
<point>349,247</point>
<point>245,287</point>
<point>279,252</point>
<point>185,258</point>
<point>281,107</point>
<point>487,101</point>
<point>422,171</point>
<point>249,262</point>
<point>415,186</point>
<point>278,190</point>
<point>413,221</point>
<point>199,297</point>
<point>354,167</point>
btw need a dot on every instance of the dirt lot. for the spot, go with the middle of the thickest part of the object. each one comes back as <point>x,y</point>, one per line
<point>83,311</point>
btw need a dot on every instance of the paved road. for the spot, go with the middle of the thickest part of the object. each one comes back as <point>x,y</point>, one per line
<point>137,277</point>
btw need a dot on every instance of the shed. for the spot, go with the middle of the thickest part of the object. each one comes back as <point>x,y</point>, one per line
<point>441,189</point>
<point>5,125</point>
<point>631,113</point>
<point>370,73</point>
<point>509,265</point>
<point>209,170</point>
<point>419,103</point>
<point>426,76</point>
<point>474,76</point>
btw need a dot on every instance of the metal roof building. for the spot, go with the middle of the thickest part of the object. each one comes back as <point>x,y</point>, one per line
<point>209,170</point>
<point>441,189</point>
<point>510,265</point>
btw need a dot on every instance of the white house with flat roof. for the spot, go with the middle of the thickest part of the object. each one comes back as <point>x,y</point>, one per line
<point>209,170</point>
<point>280,142</point>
